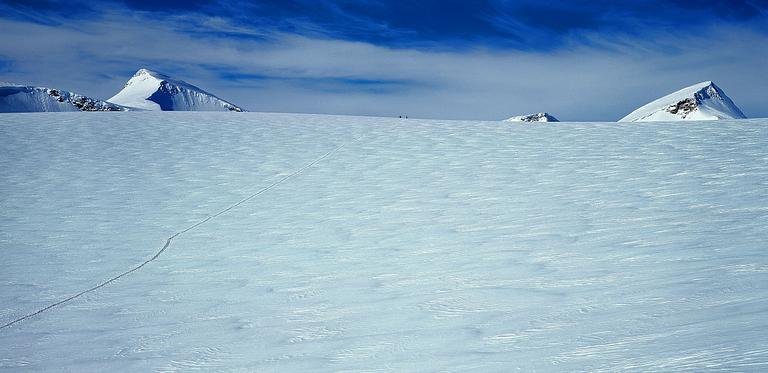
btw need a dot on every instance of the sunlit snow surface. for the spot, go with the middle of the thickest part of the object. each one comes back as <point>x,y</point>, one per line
<point>418,246</point>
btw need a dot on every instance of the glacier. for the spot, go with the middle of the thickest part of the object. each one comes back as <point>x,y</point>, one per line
<point>418,245</point>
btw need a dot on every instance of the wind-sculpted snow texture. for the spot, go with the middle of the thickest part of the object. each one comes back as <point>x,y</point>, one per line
<point>420,246</point>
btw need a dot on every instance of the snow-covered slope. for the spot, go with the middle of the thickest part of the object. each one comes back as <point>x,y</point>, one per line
<point>418,246</point>
<point>19,99</point>
<point>537,117</point>
<point>703,101</point>
<point>150,90</point>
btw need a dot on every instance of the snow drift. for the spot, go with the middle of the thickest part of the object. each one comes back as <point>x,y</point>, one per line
<point>19,99</point>
<point>702,101</point>
<point>150,90</point>
<point>537,117</point>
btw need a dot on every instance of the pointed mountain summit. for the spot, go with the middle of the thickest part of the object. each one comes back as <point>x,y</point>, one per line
<point>537,117</point>
<point>150,90</point>
<point>703,101</point>
<point>16,98</point>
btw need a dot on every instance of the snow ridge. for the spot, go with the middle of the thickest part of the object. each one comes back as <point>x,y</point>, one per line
<point>537,117</point>
<point>150,90</point>
<point>702,101</point>
<point>15,98</point>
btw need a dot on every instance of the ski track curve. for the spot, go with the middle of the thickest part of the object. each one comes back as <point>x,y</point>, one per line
<point>175,235</point>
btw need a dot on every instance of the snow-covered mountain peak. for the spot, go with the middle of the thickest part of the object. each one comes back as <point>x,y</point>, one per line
<point>151,90</point>
<point>144,71</point>
<point>702,101</point>
<point>16,98</point>
<point>537,117</point>
<point>145,74</point>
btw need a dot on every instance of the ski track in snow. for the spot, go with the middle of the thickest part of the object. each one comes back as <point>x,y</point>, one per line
<point>430,246</point>
<point>168,241</point>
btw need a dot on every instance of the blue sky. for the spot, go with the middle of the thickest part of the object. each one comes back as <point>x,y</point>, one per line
<point>580,60</point>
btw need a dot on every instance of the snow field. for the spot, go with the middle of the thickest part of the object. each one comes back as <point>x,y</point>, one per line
<point>417,246</point>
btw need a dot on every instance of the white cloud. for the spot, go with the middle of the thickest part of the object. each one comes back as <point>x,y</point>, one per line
<point>598,83</point>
